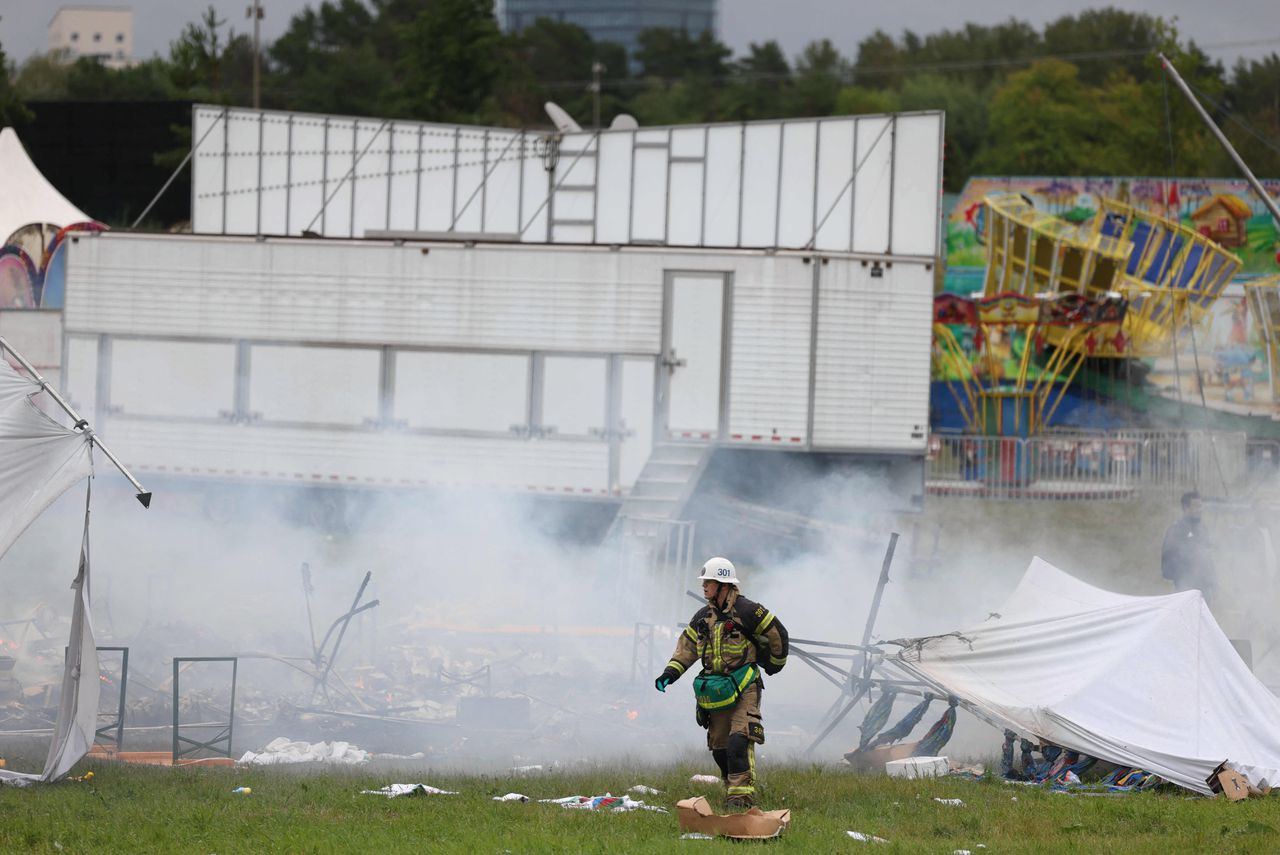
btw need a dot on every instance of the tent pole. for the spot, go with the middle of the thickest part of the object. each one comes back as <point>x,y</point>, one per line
<point>143,495</point>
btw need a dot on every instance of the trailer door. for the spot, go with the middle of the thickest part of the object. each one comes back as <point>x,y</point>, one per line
<point>691,390</point>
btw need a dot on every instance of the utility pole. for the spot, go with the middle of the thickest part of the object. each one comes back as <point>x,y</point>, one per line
<point>597,69</point>
<point>255,12</point>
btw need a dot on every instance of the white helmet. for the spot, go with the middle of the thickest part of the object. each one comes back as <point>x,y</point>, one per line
<point>719,570</point>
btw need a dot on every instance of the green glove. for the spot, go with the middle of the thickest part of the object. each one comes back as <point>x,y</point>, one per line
<point>666,679</point>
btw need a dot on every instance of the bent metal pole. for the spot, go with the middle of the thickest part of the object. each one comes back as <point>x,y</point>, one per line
<point>144,495</point>
<point>1222,138</point>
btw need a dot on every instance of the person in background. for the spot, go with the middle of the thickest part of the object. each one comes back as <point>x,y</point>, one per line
<point>1186,557</point>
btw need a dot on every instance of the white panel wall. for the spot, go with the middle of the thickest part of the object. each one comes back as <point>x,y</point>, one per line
<point>461,391</point>
<point>314,385</point>
<point>80,376</point>
<point>573,395</point>
<point>769,374</point>
<point>916,171</point>
<point>366,293</point>
<point>872,185</point>
<point>756,185</point>
<point>305,174</point>
<point>448,343</point>
<point>406,144</point>
<point>722,214</point>
<point>369,184</point>
<point>872,366</point>
<point>334,458</point>
<point>181,380</point>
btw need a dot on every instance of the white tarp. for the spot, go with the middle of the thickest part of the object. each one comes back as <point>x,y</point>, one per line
<point>1150,682</point>
<point>27,196</point>
<point>39,460</point>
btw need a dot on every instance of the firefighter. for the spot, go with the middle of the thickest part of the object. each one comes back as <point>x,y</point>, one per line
<point>736,639</point>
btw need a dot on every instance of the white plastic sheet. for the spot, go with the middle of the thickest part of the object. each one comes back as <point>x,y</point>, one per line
<point>1150,682</point>
<point>282,750</point>
<point>39,460</point>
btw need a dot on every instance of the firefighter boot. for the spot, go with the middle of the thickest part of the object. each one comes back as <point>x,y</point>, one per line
<point>742,772</point>
<point>721,756</point>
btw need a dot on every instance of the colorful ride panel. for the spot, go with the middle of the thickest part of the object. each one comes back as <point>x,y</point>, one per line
<point>1168,274</point>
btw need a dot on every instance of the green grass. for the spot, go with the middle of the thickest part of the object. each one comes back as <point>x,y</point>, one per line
<point>159,810</point>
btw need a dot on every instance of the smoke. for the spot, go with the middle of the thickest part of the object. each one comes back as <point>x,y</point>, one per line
<point>516,595</point>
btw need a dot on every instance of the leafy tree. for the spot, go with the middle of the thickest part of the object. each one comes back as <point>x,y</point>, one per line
<point>878,62</point>
<point>820,72</point>
<point>43,77</point>
<point>861,100</point>
<point>328,61</point>
<point>1254,100</point>
<point>761,84</point>
<point>90,80</point>
<point>966,119</point>
<point>674,55</point>
<point>12,110</point>
<point>1043,122</point>
<point>1106,31</point>
<point>449,59</point>
<point>558,56</point>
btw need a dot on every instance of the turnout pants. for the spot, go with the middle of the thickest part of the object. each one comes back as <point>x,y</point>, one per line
<point>732,736</point>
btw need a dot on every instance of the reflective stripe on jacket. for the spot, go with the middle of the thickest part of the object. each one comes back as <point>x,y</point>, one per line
<point>723,638</point>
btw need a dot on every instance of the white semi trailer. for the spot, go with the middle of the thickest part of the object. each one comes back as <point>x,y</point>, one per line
<point>394,304</point>
<point>534,368</point>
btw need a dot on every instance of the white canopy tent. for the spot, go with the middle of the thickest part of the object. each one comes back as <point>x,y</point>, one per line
<point>1148,682</point>
<point>27,195</point>
<point>39,460</point>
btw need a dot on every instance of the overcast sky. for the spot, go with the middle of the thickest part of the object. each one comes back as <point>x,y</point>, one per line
<point>794,23</point>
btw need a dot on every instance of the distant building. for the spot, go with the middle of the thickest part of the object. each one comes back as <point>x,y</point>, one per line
<point>1223,218</point>
<point>619,21</point>
<point>104,33</point>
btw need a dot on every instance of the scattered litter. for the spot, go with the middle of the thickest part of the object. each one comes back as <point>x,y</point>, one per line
<point>392,791</point>
<point>512,797</point>
<point>244,791</point>
<point>956,802</point>
<point>966,770</point>
<point>696,815</point>
<point>866,838</point>
<point>608,802</point>
<point>696,835</point>
<point>525,770</point>
<point>916,767</point>
<point>961,852</point>
<point>644,790</point>
<point>704,779</point>
<point>85,778</point>
<point>1014,799</point>
<point>284,750</point>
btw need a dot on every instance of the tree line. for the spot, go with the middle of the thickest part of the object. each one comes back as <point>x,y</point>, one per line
<point>1082,96</point>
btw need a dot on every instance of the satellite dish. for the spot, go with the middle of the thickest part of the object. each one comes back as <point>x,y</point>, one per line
<point>561,119</point>
<point>624,122</point>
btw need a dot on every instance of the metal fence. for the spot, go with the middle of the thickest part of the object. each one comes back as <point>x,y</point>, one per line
<point>1112,466</point>
<point>656,549</point>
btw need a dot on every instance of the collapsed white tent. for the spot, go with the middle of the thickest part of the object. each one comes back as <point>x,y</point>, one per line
<point>1149,682</point>
<point>39,460</point>
<point>28,197</point>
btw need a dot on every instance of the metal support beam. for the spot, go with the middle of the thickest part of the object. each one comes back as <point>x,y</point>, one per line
<point>80,424</point>
<point>1222,138</point>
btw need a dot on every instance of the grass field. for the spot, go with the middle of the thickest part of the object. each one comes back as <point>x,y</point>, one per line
<point>156,810</point>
